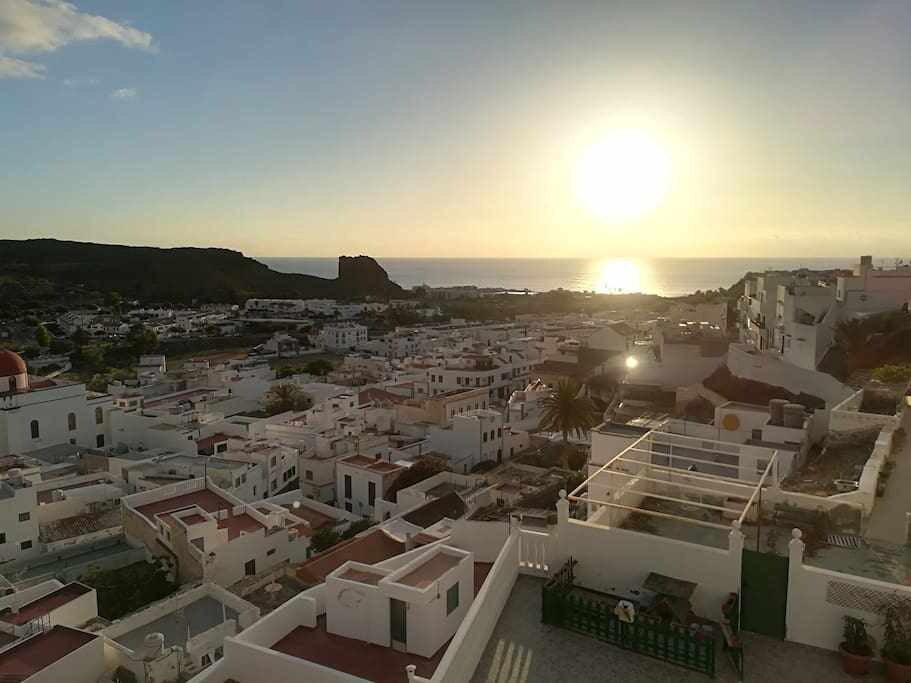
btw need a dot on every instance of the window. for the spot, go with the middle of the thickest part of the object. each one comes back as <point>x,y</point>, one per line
<point>761,465</point>
<point>452,598</point>
<point>347,486</point>
<point>308,474</point>
<point>99,416</point>
<point>271,551</point>
<point>25,545</point>
<point>25,516</point>
<point>221,448</point>
<point>273,461</point>
<point>371,493</point>
<point>348,507</point>
<point>71,422</point>
<point>36,431</point>
<point>757,434</point>
<point>2,537</point>
<point>99,441</point>
<point>485,437</point>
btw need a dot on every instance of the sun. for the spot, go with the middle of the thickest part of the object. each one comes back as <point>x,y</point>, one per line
<point>624,176</point>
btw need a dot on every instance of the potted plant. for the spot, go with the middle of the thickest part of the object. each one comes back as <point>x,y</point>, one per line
<point>856,648</point>
<point>896,649</point>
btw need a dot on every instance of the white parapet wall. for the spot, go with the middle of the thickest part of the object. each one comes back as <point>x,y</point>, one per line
<point>819,599</point>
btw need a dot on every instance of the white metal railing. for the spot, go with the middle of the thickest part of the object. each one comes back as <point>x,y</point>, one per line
<point>533,551</point>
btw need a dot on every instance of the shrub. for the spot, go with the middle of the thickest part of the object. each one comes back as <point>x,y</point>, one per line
<point>893,374</point>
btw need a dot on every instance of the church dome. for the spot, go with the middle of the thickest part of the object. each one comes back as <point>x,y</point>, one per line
<point>11,364</point>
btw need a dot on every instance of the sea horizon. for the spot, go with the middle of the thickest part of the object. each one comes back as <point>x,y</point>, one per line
<point>665,276</point>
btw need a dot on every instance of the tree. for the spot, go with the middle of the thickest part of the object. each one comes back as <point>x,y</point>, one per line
<point>568,412</point>
<point>142,339</point>
<point>284,397</point>
<point>323,539</point>
<point>319,367</point>
<point>852,334</point>
<point>42,336</point>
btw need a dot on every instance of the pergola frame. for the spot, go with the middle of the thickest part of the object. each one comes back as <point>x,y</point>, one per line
<point>752,493</point>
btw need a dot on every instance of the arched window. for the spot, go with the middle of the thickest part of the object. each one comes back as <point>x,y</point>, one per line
<point>36,432</point>
<point>99,416</point>
<point>71,422</point>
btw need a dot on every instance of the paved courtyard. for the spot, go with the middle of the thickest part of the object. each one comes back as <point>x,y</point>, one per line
<point>523,650</point>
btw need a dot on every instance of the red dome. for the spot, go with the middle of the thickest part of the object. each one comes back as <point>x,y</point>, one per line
<point>11,364</point>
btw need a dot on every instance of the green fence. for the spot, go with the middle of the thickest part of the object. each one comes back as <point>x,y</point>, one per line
<point>692,647</point>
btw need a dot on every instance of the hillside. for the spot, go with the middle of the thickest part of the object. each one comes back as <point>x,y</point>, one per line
<point>183,274</point>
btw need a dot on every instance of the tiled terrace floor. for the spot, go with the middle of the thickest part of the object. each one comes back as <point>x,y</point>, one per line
<point>523,650</point>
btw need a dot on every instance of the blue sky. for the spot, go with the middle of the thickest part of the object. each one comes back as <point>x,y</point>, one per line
<point>452,128</point>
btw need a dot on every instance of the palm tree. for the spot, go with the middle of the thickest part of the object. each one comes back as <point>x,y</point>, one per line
<point>567,411</point>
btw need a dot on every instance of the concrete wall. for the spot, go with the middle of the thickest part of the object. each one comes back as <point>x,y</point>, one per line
<point>471,638</point>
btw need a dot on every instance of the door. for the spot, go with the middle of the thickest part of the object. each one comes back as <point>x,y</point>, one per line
<point>764,593</point>
<point>398,626</point>
<point>250,567</point>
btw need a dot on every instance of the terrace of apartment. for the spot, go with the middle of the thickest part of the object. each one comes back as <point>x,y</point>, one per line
<point>523,650</point>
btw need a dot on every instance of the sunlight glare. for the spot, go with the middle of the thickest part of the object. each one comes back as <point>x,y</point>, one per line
<point>619,276</point>
<point>631,362</point>
<point>624,176</point>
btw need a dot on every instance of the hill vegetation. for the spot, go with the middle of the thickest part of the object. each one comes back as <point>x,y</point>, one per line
<point>179,275</point>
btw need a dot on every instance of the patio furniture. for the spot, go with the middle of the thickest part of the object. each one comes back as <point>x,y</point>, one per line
<point>673,596</point>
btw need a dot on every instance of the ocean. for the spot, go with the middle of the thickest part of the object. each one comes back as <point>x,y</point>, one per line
<point>663,276</point>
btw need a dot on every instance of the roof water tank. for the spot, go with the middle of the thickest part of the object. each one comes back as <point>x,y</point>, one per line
<point>776,411</point>
<point>793,415</point>
<point>153,645</point>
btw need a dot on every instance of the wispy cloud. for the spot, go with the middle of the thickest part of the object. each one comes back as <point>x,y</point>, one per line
<point>81,82</point>
<point>36,26</point>
<point>124,94</point>
<point>19,68</point>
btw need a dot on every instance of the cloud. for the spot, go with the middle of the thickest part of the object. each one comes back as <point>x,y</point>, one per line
<point>30,26</point>
<point>124,94</point>
<point>18,68</point>
<point>81,82</point>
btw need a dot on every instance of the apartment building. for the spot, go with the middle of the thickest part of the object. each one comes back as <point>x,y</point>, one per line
<point>342,336</point>
<point>212,535</point>
<point>501,374</point>
<point>18,517</point>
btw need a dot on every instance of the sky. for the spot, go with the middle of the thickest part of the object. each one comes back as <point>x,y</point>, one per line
<point>440,128</point>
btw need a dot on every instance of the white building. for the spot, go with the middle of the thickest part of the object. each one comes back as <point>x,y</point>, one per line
<point>475,437</point>
<point>36,412</point>
<point>361,481</point>
<point>342,336</point>
<point>18,517</point>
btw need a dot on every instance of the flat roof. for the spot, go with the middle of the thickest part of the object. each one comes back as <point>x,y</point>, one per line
<point>196,617</point>
<point>31,655</point>
<point>357,658</point>
<point>206,499</point>
<point>45,604</point>
<point>431,570</point>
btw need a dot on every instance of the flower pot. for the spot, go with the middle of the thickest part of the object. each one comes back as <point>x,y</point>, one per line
<point>856,665</point>
<point>897,673</point>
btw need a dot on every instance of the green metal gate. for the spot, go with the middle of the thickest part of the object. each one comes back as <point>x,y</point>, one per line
<point>764,593</point>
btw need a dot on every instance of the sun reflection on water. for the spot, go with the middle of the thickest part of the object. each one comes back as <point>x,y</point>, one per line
<point>619,276</point>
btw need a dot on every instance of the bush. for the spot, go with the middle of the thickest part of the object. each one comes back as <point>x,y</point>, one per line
<point>125,590</point>
<point>323,539</point>
<point>893,374</point>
